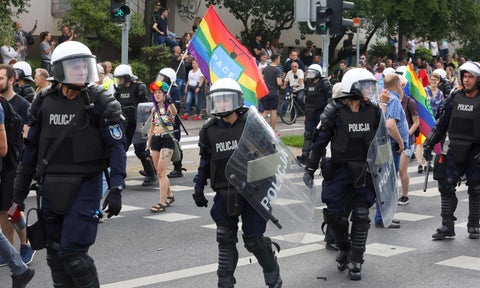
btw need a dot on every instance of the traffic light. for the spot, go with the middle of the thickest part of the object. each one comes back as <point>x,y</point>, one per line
<point>322,22</point>
<point>336,18</point>
<point>118,10</point>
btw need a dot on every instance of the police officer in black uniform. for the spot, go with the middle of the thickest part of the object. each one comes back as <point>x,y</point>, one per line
<point>460,119</point>
<point>23,86</point>
<point>225,100</point>
<point>318,91</point>
<point>129,93</point>
<point>169,76</point>
<point>71,177</point>
<point>350,123</point>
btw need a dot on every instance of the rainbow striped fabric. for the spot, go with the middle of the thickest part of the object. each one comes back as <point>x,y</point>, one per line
<point>415,89</point>
<point>220,55</point>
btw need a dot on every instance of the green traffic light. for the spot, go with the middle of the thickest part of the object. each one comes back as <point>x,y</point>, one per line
<point>119,13</point>
<point>324,27</point>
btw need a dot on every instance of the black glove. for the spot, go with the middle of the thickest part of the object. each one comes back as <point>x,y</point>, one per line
<point>308,178</point>
<point>199,198</point>
<point>113,201</point>
<point>427,152</point>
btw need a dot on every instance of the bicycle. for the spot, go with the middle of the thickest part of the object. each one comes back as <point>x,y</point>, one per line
<point>290,109</point>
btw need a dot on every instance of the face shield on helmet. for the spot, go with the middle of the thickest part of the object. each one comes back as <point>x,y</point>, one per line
<point>73,63</point>
<point>314,71</point>
<point>361,83</point>
<point>24,71</point>
<point>472,68</point>
<point>167,75</point>
<point>224,97</point>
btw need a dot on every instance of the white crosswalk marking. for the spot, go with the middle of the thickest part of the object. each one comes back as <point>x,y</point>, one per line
<point>385,250</point>
<point>172,217</point>
<point>465,262</point>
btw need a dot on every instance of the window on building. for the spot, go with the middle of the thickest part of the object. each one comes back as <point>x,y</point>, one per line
<point>60,8</point>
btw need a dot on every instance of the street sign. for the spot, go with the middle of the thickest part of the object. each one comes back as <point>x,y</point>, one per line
<point>356,22</point>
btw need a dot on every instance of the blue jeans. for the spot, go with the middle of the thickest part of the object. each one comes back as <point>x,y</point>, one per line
<point>181,85</point>
<point>162,40</point>
<point>11,257</point>
<point>396,161</point>
<point>190,96</point>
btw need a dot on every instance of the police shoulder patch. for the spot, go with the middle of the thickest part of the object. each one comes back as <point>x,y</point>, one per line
<point>115,131</point>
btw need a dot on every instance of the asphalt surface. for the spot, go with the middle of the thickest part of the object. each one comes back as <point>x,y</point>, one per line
<point>177,248</point>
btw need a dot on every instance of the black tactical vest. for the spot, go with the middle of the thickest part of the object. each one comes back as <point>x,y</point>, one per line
<point>316,97</point>
<point>223,141</point>
<point>464,127</point>
<point>356,131</point>
<point>82,152</point>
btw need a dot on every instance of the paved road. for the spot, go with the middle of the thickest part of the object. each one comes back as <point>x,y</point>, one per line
<point>178,248</point>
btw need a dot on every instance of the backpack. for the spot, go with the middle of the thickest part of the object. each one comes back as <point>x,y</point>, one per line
<point>14,131</point>
<point>417,132</point>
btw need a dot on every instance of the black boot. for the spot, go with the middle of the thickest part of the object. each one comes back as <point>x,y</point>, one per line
<point>342,259</point>
<point>149,181</point>
<point>473,233</point>
<point>354,271</point>
<point>148,168</point>
<point>474,212</point>
<point>447,230</point>
<point>21,281</point>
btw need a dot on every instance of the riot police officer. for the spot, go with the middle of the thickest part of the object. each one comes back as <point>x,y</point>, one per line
<point>69,170</point>
<point>225,101</point>
<point>129,93</point>
<point>462,112</point>
<point>169,76</point>
<point>445,86</point>
<point>350,123</point>
<point>24,86</point>
<point>318,91</point>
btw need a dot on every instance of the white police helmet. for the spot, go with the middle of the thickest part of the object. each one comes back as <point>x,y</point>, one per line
<point>472,68</point>
<point>123,70</point>
<point>73,63</point>
<point>168,76</point>
<point>225,96</point>
<point>24,71</point>
<point>314,71</point>
<point>401,70</point>
<point>441,72</point>
<point>359,82</point>
<point>388,70</point>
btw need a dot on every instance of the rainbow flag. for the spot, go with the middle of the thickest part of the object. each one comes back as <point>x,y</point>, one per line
<point>220,55</point>
<point>415,89</point>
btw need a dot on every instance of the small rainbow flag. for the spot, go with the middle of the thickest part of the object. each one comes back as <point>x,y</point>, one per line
<point>221,55</point>
<point>415,89</point>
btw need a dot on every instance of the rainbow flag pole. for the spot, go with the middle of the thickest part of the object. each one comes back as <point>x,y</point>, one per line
<point>221,55</point>
<point>415,90</point>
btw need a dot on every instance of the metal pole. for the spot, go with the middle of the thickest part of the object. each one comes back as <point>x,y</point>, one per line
<point>358,45</point>
<point>326,45</point>
<point>125,29</point>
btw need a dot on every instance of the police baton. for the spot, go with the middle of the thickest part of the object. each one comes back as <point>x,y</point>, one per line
<point>181,124</point>
<point>426,176</point>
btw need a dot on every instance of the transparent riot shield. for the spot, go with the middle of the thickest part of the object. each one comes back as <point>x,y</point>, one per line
<point>143,122</point>
<point>270,178</point>
<point>382,168</point>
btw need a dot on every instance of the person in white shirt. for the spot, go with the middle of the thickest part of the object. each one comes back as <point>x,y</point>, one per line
<point>9,53</point>
<point>294,78</point>
<point>434,48</point>
<point>192,89</point>
<point>411,48</point>
<point>263,62</point>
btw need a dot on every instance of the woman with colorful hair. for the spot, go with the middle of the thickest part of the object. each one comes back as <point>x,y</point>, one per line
<point>160,142</point>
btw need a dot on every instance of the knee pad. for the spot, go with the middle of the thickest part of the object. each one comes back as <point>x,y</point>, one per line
<point>81,268</point>
<point>334,220</point>
<point>307,135</point>
<point>445,188</point>
<point>226,235</point>
<point>360,214</point>
<point>261,247</point>
<point>60,277</point>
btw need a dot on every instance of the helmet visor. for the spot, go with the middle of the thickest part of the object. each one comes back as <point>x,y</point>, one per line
<point>367,88</point>
<point>223,101</point>
<point>77,71</point>
<point>312,74</point>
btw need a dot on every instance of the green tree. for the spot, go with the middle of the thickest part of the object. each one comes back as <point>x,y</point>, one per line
<point>268,18</point>
<point>9,11</point>
<point>91,21</point>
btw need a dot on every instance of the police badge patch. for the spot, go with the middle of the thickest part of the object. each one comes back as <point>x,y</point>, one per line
<point>115,131</point>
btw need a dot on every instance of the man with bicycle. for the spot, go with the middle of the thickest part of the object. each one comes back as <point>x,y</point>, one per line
<point>294,79</point>
<point>318,91</point>
<point>273,79</point>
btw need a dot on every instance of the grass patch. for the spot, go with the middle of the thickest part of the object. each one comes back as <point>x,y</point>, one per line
<point>293,140</point>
